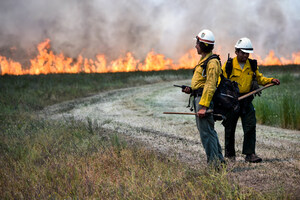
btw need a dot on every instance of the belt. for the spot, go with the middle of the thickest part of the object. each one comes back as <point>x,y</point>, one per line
<point>197,92</point>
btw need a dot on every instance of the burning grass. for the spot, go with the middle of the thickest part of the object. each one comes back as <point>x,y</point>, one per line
<point>49,62</point>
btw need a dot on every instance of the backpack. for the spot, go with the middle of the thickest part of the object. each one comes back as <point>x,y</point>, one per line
<point>226,95</point>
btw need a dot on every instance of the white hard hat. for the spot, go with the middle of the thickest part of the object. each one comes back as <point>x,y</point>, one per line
<point>245,45</point>
<point>206,36</point>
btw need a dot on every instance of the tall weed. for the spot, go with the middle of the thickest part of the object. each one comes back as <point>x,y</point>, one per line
<point>280,105</point>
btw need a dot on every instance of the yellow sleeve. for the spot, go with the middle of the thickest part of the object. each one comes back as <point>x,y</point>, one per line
<point>198,80</point>
<point>261,79</point>
<point>213,71</point>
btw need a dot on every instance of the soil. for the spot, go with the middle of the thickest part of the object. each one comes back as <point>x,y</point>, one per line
<point>137,113</point>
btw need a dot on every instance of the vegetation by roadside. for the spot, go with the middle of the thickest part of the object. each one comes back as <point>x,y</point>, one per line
<point>46,160</point>
<point>30,93</point>
<point>279,106</point>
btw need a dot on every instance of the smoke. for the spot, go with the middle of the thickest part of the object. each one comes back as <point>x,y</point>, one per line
<point>165,26</point>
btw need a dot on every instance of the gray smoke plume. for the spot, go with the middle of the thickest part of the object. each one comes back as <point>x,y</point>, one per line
<point>166,26</point>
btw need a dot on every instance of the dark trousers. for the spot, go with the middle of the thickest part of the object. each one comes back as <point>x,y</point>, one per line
<point>247,114</point>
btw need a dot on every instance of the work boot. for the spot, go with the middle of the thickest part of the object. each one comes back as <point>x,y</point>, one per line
<point>253,158</point>
<point>230,158</point>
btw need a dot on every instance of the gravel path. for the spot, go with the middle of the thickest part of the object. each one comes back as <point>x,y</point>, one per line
<point>138,113</point>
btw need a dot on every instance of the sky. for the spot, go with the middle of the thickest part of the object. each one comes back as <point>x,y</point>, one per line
<point>114,27</point>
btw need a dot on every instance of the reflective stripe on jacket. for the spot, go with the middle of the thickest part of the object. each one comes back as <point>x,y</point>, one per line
<point>244,77</point>
<point>208,82</point>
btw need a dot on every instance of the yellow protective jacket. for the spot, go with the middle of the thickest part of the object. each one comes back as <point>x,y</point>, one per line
<point>208,82</point>
<point>244,77</point>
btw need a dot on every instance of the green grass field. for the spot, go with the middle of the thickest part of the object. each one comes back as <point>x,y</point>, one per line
<point>30,93</point>
<point>280,105</point>
<point>53,160</point>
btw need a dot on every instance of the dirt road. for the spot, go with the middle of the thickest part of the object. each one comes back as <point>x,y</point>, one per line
<point>138,113</point>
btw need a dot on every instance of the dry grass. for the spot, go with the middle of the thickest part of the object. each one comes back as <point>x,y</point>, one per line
<point>41,160</point>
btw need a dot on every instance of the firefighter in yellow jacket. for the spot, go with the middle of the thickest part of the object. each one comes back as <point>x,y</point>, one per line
<point>203,87</point>
<point>245,72</point>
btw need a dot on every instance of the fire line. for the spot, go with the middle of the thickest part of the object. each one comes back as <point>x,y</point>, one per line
<point>47,62</point>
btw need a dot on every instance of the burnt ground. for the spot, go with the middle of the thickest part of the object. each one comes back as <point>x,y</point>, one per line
<point>137,113</point>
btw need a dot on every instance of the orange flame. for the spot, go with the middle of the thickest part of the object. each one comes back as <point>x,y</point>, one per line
<point>10,67</point>
<point>47,62</point>
<point>271,59</point>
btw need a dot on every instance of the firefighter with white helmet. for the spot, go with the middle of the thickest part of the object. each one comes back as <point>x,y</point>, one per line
<point>203,86</point>
<point>245,45</point>
<point>245,72</point>
<point>206,36</point>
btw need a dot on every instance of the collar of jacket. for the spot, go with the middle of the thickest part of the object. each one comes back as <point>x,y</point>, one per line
<point>204,58</point>
<point>237,66</point>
